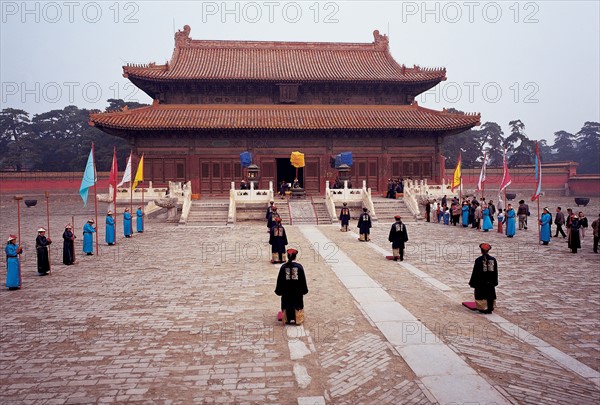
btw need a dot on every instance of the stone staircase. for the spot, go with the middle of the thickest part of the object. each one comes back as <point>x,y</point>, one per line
<point>320,208</point>
<point>208,213</point>
<point>386,209</point>
<point>302,212</point>
<point>256,212</point>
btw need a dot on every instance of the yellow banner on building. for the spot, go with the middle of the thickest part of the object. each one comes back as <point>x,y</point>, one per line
<point>297,159</point>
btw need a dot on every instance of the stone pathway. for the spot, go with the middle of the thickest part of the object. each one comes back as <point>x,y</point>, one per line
<point>188,315</point>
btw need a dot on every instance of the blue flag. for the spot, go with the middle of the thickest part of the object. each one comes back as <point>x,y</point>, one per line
<point>246,159</point>
<point>89,178</point>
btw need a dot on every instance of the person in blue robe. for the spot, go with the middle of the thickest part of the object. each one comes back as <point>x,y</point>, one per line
<point>68,245</point>
<point>88,238</point>
<point>127,229</point>
<point>110,229</point>
<point>345,217</point>
<point>42,245</point>
<point>364,225</point>
<point>487,220</point>
<point>139,220</point>
<point>13,267</point>
<point>278,241</point>
<point>510,220</point>
<point>446,216</point>
<point>545,221</point>
<point>465,214</point>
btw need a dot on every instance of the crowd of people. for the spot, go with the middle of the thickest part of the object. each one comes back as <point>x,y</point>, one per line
<point>394,187</point>
<point>291,280</point>
<point>481,215</point>
<point>42,245</point>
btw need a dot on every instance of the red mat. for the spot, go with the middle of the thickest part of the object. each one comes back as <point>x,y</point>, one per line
<point>471,305</point>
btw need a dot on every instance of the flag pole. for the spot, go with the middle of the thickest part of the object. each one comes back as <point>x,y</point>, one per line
<point>47,195</point>
<point>18,198</point>
<point>539,222</point>
<point>130,187</point>
<point>114,185</point>
<point>73,230</point>
<point>483,190</point>
<point>95,199</point>
<point>143,208</point>
<point>115,210</point>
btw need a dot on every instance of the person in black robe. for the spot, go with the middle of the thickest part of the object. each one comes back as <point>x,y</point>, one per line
<point>484,280</point>
<point>282,189</point>
<point>428,211</point>
<point>398,236</point>
<point>345,217</point>
<point>278,241</point>
<point>574,240</point>
<point>68,245</point>
<point>364,226</point>
<point>268,215</point>
<point>291,287</point>
<point>43,260</point>
<point>274,215</point>
<point>391,191</point>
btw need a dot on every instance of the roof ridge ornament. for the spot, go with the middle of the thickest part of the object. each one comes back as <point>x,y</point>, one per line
<point>182,38</point>
<point>381,42</point>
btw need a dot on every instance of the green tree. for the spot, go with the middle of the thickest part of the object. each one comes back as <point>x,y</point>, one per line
<point>546,153</point>
<point>118,104</point>
<point>519,148</point>
<point>469,144</point>
<point>17,141</point>
<point>564,145</point>
<point>588,148</point>
<point>494,139</point>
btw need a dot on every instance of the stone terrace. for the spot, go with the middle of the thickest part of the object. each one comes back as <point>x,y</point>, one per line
<point>188,315</point>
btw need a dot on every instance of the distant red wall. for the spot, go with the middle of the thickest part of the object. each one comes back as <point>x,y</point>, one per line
<point>11,182</point>
<point>584,185</point>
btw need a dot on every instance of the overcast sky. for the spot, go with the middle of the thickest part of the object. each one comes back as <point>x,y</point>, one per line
<point>537,61</point>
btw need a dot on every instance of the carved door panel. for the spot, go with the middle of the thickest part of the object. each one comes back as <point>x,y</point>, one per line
<point>312,182</point>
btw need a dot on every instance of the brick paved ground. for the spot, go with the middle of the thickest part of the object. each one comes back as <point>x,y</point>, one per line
<point>187,315</point>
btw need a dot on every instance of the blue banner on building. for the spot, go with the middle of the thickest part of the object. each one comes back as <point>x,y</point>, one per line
<point>246,159</point>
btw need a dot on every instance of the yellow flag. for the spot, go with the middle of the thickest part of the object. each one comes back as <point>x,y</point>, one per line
<point>457,175</point>
<point>297,159</point>
<point>139,175</point>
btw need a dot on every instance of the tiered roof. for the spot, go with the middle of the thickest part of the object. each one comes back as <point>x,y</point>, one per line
<point>285,117</point>
<point>203,60</point>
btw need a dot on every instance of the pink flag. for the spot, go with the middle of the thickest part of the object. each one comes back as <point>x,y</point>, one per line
<point>505,175</point>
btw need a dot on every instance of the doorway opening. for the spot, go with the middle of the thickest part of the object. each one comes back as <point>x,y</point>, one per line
<point>286,172</point>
